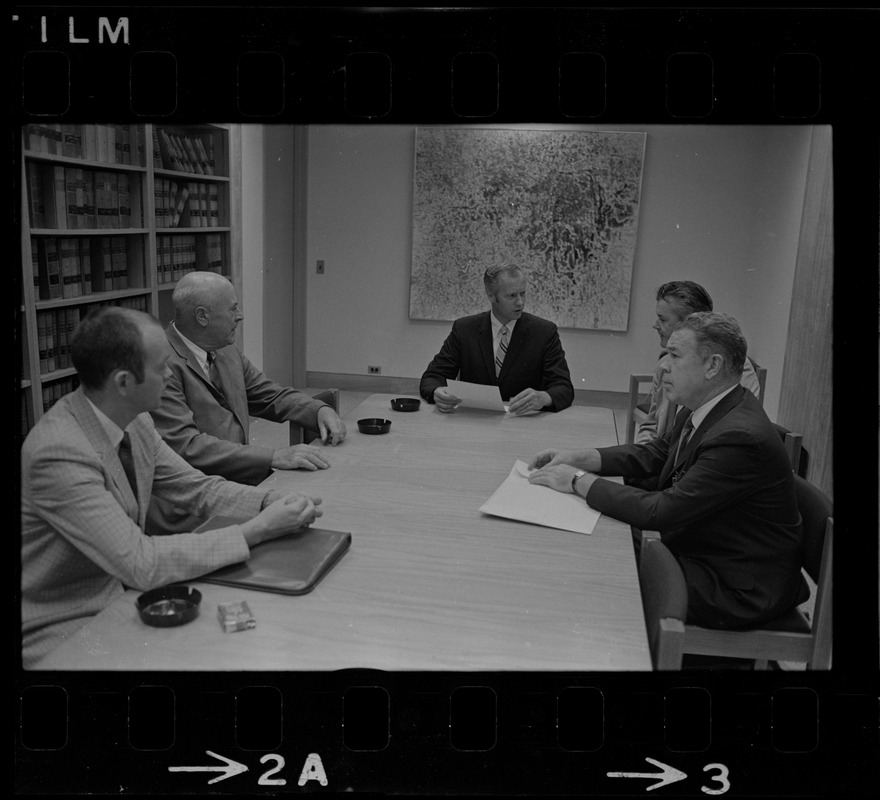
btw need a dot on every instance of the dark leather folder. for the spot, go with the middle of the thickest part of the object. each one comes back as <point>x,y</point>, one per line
<point>292,564</point>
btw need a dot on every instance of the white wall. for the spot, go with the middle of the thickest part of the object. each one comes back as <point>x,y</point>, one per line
<point>719,205</point>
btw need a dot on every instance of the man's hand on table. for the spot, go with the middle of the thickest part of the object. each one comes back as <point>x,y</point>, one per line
<point>529,401</point>
<point>331,426</point>
<point>300,456</point>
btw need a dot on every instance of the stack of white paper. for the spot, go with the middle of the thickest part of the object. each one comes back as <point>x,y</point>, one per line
<point>518,499</point>
<point>477,395</point>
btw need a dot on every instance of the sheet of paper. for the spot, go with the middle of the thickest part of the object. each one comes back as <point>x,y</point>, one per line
<point>518,499</point>
<point>477,395</point>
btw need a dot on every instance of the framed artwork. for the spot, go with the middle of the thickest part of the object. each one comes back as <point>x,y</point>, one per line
<point>562,204</point>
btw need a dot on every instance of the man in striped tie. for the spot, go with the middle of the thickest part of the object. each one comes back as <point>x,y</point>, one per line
<point>505,347</point>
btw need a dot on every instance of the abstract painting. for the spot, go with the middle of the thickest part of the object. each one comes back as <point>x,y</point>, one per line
<point>564,205</point>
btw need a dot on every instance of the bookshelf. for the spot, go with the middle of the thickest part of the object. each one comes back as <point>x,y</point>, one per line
<point>116,214</point>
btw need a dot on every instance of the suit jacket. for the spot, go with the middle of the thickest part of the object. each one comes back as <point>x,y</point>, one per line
<point>535,359</point>
<point>726,508</point>
<point>211,430</point>
<point>82,538</point>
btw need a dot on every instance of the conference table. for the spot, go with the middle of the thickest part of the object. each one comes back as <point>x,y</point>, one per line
<point>429,583</point>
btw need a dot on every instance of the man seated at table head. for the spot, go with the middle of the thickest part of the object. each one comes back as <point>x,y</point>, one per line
<point>725,503</point>
<point>214,390</point>
<point>89,468</point>
<point>505,347</point>
<point>675,300</point>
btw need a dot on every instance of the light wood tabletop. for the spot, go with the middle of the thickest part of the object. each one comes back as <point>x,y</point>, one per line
<point>430,583</point>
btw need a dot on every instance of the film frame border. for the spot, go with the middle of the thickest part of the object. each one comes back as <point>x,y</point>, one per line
<point>526,45</point>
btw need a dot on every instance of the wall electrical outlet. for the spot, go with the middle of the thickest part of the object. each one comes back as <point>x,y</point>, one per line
<point>374,370</point>
<point>320,269</point>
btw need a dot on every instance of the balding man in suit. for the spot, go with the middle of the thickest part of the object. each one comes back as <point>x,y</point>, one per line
<point>212,392</point>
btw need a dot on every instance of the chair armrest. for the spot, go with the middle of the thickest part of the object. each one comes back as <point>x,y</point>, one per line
<point>650,536</point>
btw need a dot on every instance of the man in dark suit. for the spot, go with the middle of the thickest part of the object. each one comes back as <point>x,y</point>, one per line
<point>505,347</point>
<point>725,503</point>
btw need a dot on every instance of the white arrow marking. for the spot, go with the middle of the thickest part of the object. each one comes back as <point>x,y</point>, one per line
<point>228,769</point>
<point>668,774</point>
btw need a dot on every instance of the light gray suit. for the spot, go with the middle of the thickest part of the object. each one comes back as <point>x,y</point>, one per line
<point>210,428</point>
<point>82,537</point>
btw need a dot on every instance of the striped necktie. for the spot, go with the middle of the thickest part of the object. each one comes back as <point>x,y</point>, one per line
<point>501,351</point>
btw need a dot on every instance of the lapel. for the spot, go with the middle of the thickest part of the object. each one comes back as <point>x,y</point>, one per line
<point>227,363</point>
<point>188,357</point>
<point>487,350</point>
<point>195,369</point>
<point>97,436</point>
<point>675,468</point>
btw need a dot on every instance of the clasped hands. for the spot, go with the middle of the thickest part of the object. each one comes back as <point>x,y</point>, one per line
<point>528,401</point>
<point>282,513</point>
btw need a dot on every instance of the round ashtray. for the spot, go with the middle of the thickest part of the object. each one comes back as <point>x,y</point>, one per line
<point>405,404</point>
<point>169,606</point>
<point>374,425</point>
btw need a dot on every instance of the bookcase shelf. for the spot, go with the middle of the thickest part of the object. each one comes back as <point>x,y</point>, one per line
<point>116,214</point>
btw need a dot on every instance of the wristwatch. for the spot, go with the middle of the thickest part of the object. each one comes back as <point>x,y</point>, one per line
<point>574,479</point>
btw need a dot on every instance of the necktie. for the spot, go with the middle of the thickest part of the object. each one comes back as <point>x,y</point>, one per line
<point>501,351</point>
<point>686,432</point>
<point>128,462</point>
<point>212,369</point>
<point>214,374</point>
<point>671,414</point>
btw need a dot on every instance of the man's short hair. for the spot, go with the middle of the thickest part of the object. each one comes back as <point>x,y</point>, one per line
<point>107,339</point>
<point>718,333</point>
<point>687,296</point>
<point>491,277</point>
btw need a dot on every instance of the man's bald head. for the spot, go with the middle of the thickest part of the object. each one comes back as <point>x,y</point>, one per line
<point>206,309</point>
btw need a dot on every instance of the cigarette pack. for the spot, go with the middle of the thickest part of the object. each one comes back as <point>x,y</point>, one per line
<point>235,616</point>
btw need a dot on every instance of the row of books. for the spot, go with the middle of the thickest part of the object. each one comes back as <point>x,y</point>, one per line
<point>110,144</point>
<point>182,253</point>
<point>183,153</point>
<point>77,199</point>
<point>54,391</point>
<point>186,205</point>
<point>68,266</point>
<point>55,329</point>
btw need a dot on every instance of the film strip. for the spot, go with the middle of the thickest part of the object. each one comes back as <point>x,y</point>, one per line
<point>776,734</point>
